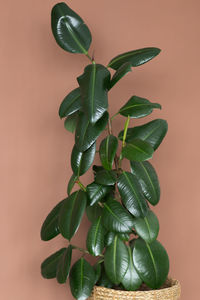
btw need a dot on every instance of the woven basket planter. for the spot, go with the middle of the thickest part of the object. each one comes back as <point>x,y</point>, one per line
<point>169,293</point>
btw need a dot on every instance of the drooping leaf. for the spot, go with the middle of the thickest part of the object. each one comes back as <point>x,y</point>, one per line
<point>135,57</point>
<point>106,177</point>
<point>71,183</point>
<point>131,195</point>
<point>69,30</point>
<point>49,265</point>
<point>148,227</point>
<point>70,104</point>
<point>71,213</point>
<point>109,237</point>
<point>137,150</point>
<point>116,260</point>
<point>63,266</point>
<point>50,227</point>
<point>120,73</point>
<point>94,85</point>
<point>131,280</point>
<point>152,132</point>
<point>151,262</point>
<point>107,151</point>
<point>71,122</point>
<point>86,133</point>
<point>138,107</point>
<point>95,238</point>
<point>116,218</point>
<point>82,161</point>
<point>93,212</point>
<point>147,179</point>
<point>82,279</point>
<point>96,192</point>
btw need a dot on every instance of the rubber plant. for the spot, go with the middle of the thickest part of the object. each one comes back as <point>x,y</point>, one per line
<point>118,203</point>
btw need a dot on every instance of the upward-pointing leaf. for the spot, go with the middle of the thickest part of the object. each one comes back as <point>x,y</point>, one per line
<point>97,192</point>
<point>70,104</point>
<point>137,150</point>
<point>95,238</point>
<point>49,265</point>
<point>69,30</point>
<point>94,85</point>
<point>63,267</point>
<point>120,73</point>
<point>107,151</point>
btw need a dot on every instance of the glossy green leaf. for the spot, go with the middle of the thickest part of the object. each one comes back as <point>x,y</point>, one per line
<point>71,183</point>
<point>49,265</point>
<point>97,270</point>
<point>116,260</point>
<point>131,280</point>
<point>137,150</point>
<point>107,151</point>
<point>82,279</point>
<point>71,213</point>
<point>116,218</point>
<point>120,73</point>
<point>147,179</point>
<point>70,104</point>
<point>93,212</point>
<point>94,85</point>
<point>96,192</point>
<point>138,107</point>
<point>135,57</point>
<point>109,237</point>
<point>152,132</point>
<point>64,264</point>
<point>131,195</point>
<point>50,227</point>
<point>106,177</point>
<point>69,30</point>
<point>82,161</point>
<point>71,122</point>
<point>104,280</point>
<point>151,262</point>
<point>95,238</point>
<point>86,133</point>
<point>148,227</point>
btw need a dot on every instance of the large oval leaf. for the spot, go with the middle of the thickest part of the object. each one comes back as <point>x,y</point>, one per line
<point>147,179</point>
<point>50,227</point>
<point>107,151</point>
<point>97,192</point>
<point>93,212</point>
<point>116,260</point>
<point>148,227</point>
<point>137,150</point>
<point>152,132</point>
<point>120,73</point>
<point>71,122</point>
<point>151,262</point>
<point>71,213</point>
<point>138,107</point>
<point>70,104</point>
<point>95,238</point>
<point>116,218</point>
<point>82,279</point>
<point>64,264</point>
<point>131,195</point>
<point>69,30</point>
<point>49,265</point>
<point>94,85</point>
<point>86,133</point>
<point>135,57</point>
<point>131,280</point>
<point>106,177</point>
<point>82,161</point>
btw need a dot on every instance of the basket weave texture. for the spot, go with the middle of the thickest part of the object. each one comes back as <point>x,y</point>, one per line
<point>169,293</point>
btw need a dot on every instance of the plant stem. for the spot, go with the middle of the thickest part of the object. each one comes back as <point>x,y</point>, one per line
<point>81,185</point>
<point>89,57</point>
<point>84,250</point>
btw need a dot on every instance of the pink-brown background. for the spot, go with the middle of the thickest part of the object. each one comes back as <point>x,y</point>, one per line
<point>35,148</point>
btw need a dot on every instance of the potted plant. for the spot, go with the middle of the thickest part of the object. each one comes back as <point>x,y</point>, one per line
<point>131,263</point>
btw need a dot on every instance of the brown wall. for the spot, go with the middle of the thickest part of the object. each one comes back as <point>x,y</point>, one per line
<point>35,149</point>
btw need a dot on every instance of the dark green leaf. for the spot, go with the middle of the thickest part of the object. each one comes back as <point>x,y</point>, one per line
<point>120,73</point>
<point>109,238</point>
<point>71,122</point>
<point>106,177</point>
<point>49,265</point>
<point>138,107</point>
<point>116,260</point>
<point>95,238</point>
<point>69,30</point>
<point>97,270</point>
<point>86,133</point>
<point>93,212</point>
<point>131,195</point>
<point>50,227</point>
<point>104,280</point>
<point>137,150</point>
<point>71,183</point>
<point>94,84</point>
<point>148,227</point>
<point>82,279</point>
<point>107,151</point>
<point>71,213</point>
<point>116,218</point>
<point>151,262</point>
<point>63,267</point>
<point>135,57</point>
<point>82,161</point>
<point>147,179</point>
<point>96,192</point>
<point>70,104</point>
<point>131,280</point>
<point>152,132</point>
